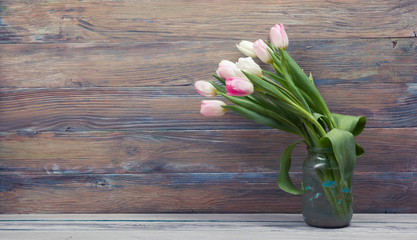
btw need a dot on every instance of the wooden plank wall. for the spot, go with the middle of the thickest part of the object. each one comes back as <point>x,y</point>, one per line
<point>98,113</point>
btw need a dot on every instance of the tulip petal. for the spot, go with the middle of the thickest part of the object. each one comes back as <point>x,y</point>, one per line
<point>238,87</point>
<point>212,108</point>
<point>246,48</point>
<point>205,88</point>
<point>247,64</point>
<point>261,50</point>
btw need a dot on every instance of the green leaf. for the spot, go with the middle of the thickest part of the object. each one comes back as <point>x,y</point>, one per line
<point>307,88</point>
<point>258,109</point>
<point>263,116</point>
<point>289,78</point>
<point>284,181</point>
<point>283,90</point>
<point>256,117</point>
<point>276,105</point>
<point>321,119</point>
<point>219,79</point>
<point>313,104</point>
<point>275,57</point>
<point>353,124</point>
<point>267,87</point>
<point>278,93</point>
<point>278,78</point>
<point>344,148</point>
<point>218,87</point>
<point>300,78</point>
<point>311,78</point>
<point>359,150</point>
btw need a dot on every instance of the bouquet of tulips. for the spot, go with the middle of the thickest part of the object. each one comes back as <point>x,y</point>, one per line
<point>284,98</point>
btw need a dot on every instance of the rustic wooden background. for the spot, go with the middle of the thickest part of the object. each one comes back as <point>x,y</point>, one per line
<point>98,113</point>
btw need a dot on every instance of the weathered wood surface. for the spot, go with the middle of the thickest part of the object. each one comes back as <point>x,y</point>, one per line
<point>390,105</point>
<point>150,21</point>
<point>200,226</point>
<point>74,65</point>
<point>98,112</point>
<point>253,192</point>
<point>196,151</point>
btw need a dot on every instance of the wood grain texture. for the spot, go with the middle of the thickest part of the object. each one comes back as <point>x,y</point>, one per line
<point>361,218</point>
<point>384,105</point>
<point>75,65</point>
<point>189,192</point>
<point>200,226</point>
<point>150,21</point>
<point>98,112</point>
<point>186,152</point>
<point>197,226</point>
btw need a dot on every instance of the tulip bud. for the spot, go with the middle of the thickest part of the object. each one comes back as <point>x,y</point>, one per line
<point>226,69</point>
<point>212,108</point>
<point>236,86</point>
<point>246,48</point>
<point>278,36</point>
<point>205,88</point>
<point>261,50</point>
<point>247,64</point>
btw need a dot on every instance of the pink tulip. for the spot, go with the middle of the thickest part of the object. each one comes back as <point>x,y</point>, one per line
<point>261,50</point>
<point>212,108</point>
<point>226,69</point>
<point>278,36</point>
<point>205,88</point>
<point>236,86</point>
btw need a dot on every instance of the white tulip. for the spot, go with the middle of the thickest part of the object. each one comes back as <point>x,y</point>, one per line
<point>246,48</point>
<point>248,65</point>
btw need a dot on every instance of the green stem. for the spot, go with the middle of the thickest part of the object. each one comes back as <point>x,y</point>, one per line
<point>330,117</point>
<point>310,117</point>
<point>276,67</point>
<point>300,110</point>
<point>284,90</point>
<point>340,210</point>
<point>311,133</point>
<point>306,136</point>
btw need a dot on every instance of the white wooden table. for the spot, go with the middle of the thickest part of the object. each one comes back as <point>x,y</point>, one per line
<point>200,226</point>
